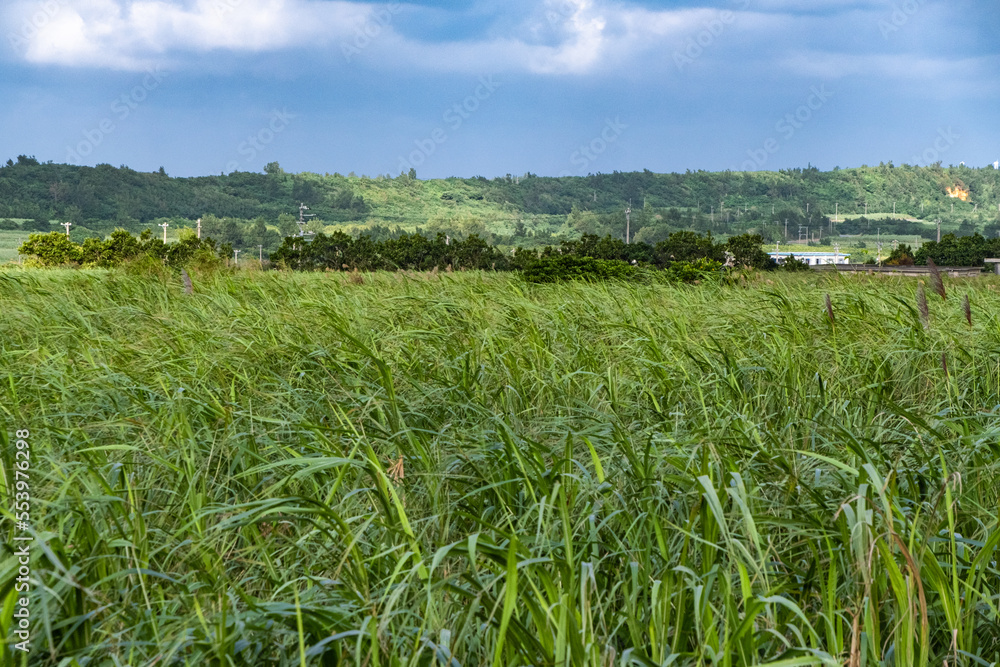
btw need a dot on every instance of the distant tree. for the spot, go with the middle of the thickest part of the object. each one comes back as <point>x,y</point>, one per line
<point>689,246</point>
<point>38,223</point>
<point>901,255</point>
<point>287,225</point>
<point>793,264</point>
<point>52,249</point>
<point>966,228</point>
<point>747,251</point>
<point>7,224</point>
<point>958,251</point>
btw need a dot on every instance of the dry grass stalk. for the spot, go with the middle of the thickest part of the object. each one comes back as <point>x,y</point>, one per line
<point>397,471</point>
<point>355,278</point>
<point>925,315</point>
<point>189,286</point>
<point>855,659</point>
<point>967,309</point>
<point>936,281</point>
<point>829,310</point>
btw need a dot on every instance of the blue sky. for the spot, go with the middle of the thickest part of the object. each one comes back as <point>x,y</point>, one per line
<point>554,87</point>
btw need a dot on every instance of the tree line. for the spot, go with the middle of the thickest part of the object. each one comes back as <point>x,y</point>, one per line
<point>104,197</point>
<point>409,252</point>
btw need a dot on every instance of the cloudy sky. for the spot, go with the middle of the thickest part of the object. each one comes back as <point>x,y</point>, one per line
<point>490,88</point>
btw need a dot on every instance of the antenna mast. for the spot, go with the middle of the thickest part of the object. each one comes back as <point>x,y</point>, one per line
<point>302,219</point>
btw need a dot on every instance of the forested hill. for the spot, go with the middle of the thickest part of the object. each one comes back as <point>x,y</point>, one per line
<point>103,195</point>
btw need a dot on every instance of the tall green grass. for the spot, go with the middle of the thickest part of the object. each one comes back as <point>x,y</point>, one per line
<point>467,470</point>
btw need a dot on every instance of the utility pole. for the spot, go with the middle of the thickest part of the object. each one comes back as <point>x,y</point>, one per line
<point>164,225</point>
<point>836,212</point>
<point>939,230</point>
<point>628,221</point>
<point>199,228</point>
<point>260,249</point>
<point>786,229</point>
<point>67,225</point>
<point>866,209</point>
<point>236,254</point>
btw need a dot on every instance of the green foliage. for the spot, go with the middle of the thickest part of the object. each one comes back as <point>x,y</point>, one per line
<point>412,252</point>
<point>557,268</point>
<point>901,255</point>
<point>471,470</point>
<point>121,247</point>
<point>7,224</point>
<point>694,271</point>
<point>38,224</point>
<point>690,246</point>
<point>747,252</point>
<point>729,203</point>
<point>793,264</point>
<point>958,250</point>
<point>52,249</point>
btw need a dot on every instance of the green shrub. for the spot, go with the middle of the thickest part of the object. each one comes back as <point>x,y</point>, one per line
<point>792,263</point>
<point>52,249</point>
<point>568,267</point>
<point>694,271</point>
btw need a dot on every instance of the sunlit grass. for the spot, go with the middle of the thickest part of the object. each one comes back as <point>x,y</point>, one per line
<point>464,469</point>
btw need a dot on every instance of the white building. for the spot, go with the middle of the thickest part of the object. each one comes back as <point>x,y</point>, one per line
<point>812,258</point>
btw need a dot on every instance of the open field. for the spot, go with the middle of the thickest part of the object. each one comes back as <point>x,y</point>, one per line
<point>463,469</point>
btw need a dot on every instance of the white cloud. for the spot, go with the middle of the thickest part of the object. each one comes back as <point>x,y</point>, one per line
<point>132,34</point>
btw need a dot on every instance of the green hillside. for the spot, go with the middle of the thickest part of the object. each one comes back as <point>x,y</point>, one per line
<point>257,209</point>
